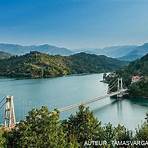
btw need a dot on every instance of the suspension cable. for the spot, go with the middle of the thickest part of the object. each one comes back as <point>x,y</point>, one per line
<point>2,100</point>
<point>111,81</point>
<point>2,105</point>
<point>112,85</point>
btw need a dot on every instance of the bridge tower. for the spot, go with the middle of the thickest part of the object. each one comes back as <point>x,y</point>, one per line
<point>9,114</point>
<point>120,87</point>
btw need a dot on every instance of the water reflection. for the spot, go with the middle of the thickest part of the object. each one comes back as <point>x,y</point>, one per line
<point>119,110</point>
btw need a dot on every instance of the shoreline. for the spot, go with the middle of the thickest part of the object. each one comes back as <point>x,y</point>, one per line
<point>26,78</point>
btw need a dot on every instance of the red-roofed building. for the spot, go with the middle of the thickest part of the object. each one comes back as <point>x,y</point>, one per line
<point>135,79</point>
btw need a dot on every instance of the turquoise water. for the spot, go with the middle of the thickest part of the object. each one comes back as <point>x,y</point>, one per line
<point>62,91</point>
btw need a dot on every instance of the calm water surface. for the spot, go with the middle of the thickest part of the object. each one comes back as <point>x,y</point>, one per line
<point>62,91</point>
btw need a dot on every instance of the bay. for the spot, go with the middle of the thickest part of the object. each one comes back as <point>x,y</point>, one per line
<point>62,91</point>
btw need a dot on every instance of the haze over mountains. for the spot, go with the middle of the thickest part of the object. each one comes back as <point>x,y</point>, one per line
<point>136,53</point>
<point>127,53</point>
<point>16,49</point>
<point>112,51</point>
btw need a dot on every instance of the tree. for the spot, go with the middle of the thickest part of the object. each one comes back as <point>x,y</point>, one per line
<point>109,134</point>
<point>142,132</point>
<point>40,129</point>
<point>122,134</point>
<point>82,126</point>
<point>2,138</point>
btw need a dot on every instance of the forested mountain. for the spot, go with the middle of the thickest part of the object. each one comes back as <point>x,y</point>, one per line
<point>136,68</point>
<point>139,66</point>
<point>19,49</point>
<point>4,55</point>
<point>36,64</point>
<point>84,63</point>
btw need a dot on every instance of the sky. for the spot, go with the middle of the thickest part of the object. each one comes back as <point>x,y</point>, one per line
<point>74,23</point>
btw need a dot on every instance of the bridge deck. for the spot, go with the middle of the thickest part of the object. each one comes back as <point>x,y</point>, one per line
<point>73,106</point>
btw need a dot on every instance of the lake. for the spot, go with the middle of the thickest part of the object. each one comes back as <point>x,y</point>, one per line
<point>61,91</point>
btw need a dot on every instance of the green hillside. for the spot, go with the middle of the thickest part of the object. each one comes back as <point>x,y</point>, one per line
<point>4,55</point>
<point>136,68</point>
<point>139,66</point>
<point>36,65</point>
<point>91,63</point>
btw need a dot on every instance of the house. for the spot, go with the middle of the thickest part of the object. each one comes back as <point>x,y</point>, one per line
<point>136,78</point>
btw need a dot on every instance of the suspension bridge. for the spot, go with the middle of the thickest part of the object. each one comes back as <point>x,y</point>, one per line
<point>8,104</point>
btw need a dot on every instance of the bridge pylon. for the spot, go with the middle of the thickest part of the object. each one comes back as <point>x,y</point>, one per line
<point>9,113</point>
<point>120,87</point>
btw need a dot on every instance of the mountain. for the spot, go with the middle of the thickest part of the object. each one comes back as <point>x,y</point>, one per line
<point>36,64</point>
<point>91,63</point>
<point>126,53</point>
<point>113,51</point>
<point>19,49</point>
<point>4,55</point>
<point>137,68</point>
<point>138,52</point>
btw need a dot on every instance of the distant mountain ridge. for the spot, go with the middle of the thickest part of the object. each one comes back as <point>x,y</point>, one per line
<point>137,53</point>
<point>126,53</point>
<point>113,51</point>
<point>16,49</point>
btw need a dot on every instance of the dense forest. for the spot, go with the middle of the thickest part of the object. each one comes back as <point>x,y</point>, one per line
<point>37,65</point>
<point>136,68</point>
<point>44,129</point>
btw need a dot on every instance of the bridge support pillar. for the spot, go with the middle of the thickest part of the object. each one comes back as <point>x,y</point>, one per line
<point>9,114</point>
<point>120,87</point>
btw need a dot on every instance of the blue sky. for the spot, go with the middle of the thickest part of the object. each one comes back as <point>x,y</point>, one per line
<point>74,23</point>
